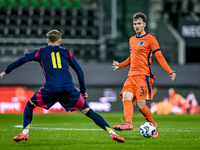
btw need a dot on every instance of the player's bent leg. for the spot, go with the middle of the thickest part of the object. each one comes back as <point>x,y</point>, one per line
<point>141,104</point>
<point>128,112</point>
<point>28,115</point>
<point>84,111</point>
<point>98,119</point>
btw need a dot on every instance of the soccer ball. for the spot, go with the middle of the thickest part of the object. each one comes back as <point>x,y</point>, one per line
<point>147,129</point>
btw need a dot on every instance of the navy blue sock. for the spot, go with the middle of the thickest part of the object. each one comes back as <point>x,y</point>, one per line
<point>97,119</point>
<point>28,114</point>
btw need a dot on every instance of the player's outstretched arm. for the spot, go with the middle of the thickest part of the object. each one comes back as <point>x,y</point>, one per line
<point>164,64</point>
<point>115,65</point>
<point>172,75</point>
<point>2,74</point>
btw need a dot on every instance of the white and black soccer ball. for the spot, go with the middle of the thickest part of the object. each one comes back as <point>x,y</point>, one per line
<point>147,129</point>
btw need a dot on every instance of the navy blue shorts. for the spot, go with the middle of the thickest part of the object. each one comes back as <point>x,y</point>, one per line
<point>70,100</point>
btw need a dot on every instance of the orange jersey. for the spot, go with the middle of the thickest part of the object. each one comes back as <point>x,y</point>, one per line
<point>142,49</point>
<point>177,100</point>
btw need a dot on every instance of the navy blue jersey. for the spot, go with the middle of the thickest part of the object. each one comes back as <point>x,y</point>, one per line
<point>55,62</point>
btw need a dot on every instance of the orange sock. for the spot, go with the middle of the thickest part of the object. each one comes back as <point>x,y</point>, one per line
<point>147,114</point>
<point>128,110</point>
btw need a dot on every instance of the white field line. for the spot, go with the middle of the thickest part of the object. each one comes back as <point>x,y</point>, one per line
<point>44,128</point>
<point>135,129</point>
<point>64,129</point>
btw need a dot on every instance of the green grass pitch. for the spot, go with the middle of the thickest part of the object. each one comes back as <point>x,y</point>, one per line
<point>77,132</point>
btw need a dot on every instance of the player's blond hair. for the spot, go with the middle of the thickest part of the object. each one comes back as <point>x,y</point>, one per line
<point>139,15</point>
<point>53,35</point>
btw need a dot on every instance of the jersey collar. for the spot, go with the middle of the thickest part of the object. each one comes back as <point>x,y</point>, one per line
<point>142,35</point>
<point>53,45</point>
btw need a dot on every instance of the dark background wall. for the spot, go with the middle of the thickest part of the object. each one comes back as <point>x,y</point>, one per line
<point>99,76</point>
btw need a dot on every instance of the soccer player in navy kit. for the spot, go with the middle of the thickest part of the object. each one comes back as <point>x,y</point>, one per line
<point>59,87</point>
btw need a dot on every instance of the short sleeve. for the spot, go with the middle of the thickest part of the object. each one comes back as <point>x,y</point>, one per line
<point>154,45</point>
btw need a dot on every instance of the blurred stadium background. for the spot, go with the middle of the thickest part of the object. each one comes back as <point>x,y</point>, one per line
<point>97,32</point>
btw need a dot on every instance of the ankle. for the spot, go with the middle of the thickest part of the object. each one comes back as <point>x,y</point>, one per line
<point>25,131</point>
<point>129,121</point>
<point>111,131</point>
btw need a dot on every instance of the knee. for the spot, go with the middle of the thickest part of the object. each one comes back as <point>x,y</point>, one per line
<point>127,96</point>
<point>31,104</point>
<point>85,111</point>
<point>140,104</point>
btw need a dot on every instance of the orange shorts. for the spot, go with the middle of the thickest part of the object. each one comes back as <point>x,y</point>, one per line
<point>140,86</point>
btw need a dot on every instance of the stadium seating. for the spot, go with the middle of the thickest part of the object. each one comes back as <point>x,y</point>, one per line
<point>44,3</point>
<point>65,4</point>
<point>77,20</point>
<point>11,3</point>
<point>25,20</point>
<point>55,4</point>
<point>2,3</point>
<point>22,3</point>
<point>33,3</point>
<point>76,4</point>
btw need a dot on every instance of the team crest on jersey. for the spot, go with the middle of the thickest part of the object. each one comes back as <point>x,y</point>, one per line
<point>141,43</point>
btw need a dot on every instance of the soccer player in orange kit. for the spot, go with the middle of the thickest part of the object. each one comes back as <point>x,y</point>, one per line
<point>138,86</point>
